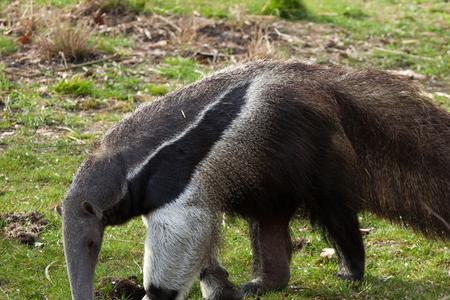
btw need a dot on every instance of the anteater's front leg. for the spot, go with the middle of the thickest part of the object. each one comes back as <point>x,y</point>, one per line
<point>215,285</point>
<point>180,240</point>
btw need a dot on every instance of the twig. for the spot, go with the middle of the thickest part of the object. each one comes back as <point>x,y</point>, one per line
<point>138,265</point>
<point>168,22</point>
<point>404,53</point>
<point>437,216</point>
<point>88,63</point>
<point>63,58</point>
<point>364,290</point>
<point>23,74</point>
<point>47,268</point>
<point>285,36</point>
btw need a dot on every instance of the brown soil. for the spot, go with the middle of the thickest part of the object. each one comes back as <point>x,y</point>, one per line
<point>299,244</point>
<point>119,288</point>
<point>24,227</point>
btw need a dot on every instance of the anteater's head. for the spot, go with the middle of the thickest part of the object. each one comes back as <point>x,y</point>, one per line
<point>97,186</point>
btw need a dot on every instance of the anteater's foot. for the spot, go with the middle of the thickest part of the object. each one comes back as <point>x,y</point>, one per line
<point>226,293</point>
<point>215,285</point>
<point>344,274</point>
<point>257,287</point>
<point>251,289</point>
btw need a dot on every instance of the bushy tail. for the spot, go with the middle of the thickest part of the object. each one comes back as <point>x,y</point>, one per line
<point>402,141</point>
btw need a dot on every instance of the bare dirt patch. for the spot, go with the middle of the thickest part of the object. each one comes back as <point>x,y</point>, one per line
<point>119,288</point>
<point>24,227</point>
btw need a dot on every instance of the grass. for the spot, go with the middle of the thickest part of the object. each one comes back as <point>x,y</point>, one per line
<point>156,89</point>
<point>112,45</point>
<point>4,3</point>
<point>443,101</point>
<point>7,45</point>
<point>57,3</point>
<point>76,87</point>
<point>288,9</point>
<point>117,85</point>
<point>47,129</point>
<point>5,83</point>
<point>179,68</point>
<point>415,39</point>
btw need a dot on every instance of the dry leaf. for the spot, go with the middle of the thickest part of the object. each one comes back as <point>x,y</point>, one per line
<point>26,38</point>
<point>328,253</point>
<point>366,231</point>
<point>7,133</point>
<point>99,18</point>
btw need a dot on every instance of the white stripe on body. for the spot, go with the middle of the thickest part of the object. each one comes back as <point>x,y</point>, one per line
<point>134,171</point>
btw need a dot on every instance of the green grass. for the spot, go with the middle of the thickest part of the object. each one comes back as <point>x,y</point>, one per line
<point>179,68</point>
<point>76,87</point>
<point>443,101</point>
<point>121,87</point>
<point>4,3</point>
<point>156,89</point>
<point>118,86</point>
<point>416,32</point>
<point>5,83</point>
<point>57,3</point>
<point>7,45</point>
<point>49,135</point>
<point>288,9</point>
<point>113,45</point>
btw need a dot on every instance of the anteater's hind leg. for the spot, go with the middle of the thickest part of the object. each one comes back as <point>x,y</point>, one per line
<point>271,243</point>
<point>342,229</point>
<point>336,204</point>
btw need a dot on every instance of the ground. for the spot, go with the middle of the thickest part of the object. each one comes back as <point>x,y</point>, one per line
<point>70,70</point>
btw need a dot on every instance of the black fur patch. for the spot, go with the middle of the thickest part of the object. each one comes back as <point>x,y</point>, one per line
<point>166,175</point>
<point>156,293</point>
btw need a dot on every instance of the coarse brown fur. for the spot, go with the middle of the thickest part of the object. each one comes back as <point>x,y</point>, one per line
<point>282,138</point>
<point>402,141</point>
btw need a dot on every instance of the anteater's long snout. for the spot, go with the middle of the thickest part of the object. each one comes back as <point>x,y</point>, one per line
<point>82,234</point>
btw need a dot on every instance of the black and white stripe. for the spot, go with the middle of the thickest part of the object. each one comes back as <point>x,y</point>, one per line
<point>166,172</point>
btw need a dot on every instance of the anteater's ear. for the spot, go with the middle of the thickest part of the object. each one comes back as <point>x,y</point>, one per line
<point>90,209</point>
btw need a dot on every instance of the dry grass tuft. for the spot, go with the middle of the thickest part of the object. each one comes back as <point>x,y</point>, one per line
<point>260,45</point>
<point>238,15</point>
<point>68,43</point>
<point>23,18</point>
<point>188,30</point>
